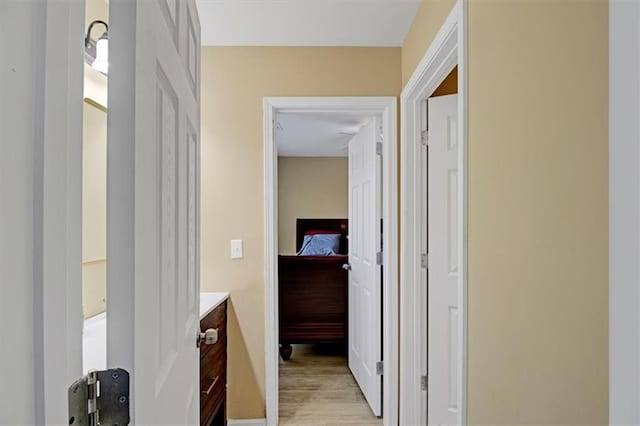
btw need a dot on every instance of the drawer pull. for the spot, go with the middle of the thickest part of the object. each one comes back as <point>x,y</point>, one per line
<point>214,380</point>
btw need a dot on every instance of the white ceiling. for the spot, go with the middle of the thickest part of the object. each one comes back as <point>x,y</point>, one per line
<point>305,22</point>
<point>316,134</point>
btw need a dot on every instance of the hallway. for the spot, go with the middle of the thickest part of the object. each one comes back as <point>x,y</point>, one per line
<point>317,389</point>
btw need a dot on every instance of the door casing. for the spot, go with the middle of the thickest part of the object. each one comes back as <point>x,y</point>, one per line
<point>387,108</point>
<point>42,86</point>
<point>447,51</point>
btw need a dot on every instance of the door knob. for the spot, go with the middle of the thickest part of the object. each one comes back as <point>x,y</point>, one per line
<point>346,266</point>
<point>208,337</point>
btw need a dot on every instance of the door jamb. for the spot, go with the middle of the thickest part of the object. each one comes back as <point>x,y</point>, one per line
<point>58,209</point>
<point>448,49</point>
<point>387,107</point>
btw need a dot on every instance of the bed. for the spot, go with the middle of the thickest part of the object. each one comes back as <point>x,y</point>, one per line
<point>313,296</point>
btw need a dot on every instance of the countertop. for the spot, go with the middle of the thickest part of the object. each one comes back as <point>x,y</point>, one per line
<point>210,301</point>
<point>94,336</point>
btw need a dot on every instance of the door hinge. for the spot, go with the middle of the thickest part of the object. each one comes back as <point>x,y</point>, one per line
<point>379,258</point>
<point>424,137</point>
<point>424,260</point>
<point>379,148</point>
<point>379,368</point>
<point>423,383</point>
<point>100,397</point>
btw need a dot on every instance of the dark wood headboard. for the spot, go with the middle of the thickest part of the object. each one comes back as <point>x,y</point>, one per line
<point>340,226</point>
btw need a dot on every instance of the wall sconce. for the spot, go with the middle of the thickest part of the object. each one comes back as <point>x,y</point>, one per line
<point>96,53</point>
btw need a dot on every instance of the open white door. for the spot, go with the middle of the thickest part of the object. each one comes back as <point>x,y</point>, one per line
<point>153,206</point>
<point>443,351</point>
<point>365,302</point>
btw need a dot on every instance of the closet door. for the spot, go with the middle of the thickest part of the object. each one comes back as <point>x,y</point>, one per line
<point>442,281</point>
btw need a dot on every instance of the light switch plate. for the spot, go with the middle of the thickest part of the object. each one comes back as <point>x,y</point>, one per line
<point>236,249</point>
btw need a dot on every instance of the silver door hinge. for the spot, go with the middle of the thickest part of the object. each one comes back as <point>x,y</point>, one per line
<point>424,137</point>
<point>379,258</point>
<point>379,368</point>
<point>100,397</point>
<point>378,148</point>
<point>424,260</point>
<point>423,383</point>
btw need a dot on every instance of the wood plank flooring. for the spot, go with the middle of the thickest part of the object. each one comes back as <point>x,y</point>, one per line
<point>317,389</point>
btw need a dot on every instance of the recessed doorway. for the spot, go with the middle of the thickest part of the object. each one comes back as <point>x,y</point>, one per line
<point>344,325</point>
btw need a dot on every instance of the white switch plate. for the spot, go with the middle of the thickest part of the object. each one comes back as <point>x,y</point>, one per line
<point>236,249</point>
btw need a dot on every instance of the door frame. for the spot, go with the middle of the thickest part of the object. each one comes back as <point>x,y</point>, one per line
<point>54,104</point>
<point>387,107</point>
<point>448,50</point>
<point>58,290</point>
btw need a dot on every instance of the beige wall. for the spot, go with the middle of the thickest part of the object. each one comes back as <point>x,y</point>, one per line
<point>234,82</point>
<point>424,28</point>
<point>538,200</point>
<point>309,187</point>
<point>538,234</point>
<point>538,206</point>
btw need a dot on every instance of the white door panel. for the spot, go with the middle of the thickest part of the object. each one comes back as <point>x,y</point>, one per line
<point>365,319</point>
<point>442,353</point>
<point>153,334</point>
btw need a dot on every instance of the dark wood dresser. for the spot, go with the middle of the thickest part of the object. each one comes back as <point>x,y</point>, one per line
<point>213,370</point>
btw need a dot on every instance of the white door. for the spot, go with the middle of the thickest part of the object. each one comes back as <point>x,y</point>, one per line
<point>365,303</point>
<point>153,206</point>
<point>442,322</point>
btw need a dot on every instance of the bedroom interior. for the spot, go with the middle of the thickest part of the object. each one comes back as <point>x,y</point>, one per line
<point>315,382</point>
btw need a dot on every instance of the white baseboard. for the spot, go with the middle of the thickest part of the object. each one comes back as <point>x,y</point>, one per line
<point>247,422</point>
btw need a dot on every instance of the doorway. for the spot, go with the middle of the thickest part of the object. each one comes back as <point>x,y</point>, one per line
<point>434,232</point>
<point>375,110</point>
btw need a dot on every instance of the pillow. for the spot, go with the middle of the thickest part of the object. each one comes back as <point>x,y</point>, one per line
<point>320,245</point>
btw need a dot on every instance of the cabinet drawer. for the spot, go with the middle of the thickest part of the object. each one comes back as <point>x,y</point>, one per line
<point>213,368</point>
<point>213,380</point>
<point>216,319</point>
<point>215,360</point>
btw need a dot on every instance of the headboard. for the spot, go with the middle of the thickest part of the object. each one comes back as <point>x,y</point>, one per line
<point>340,226</point>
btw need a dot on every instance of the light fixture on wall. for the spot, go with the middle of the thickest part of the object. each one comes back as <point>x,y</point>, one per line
<point>96,53</point>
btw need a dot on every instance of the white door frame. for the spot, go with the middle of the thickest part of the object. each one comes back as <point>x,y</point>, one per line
<point>60,293</point>
<point>447,50</point>
<point>387,107</point>
<point>61,226</point>
<point>52,102</point>
<point>624,212</point>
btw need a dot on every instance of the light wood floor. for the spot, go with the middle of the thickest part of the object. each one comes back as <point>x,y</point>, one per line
<point>317,389</point>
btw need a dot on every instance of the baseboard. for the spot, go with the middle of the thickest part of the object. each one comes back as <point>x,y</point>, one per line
<point>247,422</point>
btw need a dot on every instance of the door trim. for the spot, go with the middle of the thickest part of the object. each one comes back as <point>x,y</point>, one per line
<point>448,49</point>
<point>56,287</point>
<point>387,107</point>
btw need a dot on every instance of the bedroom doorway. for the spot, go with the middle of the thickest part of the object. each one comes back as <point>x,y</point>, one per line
<point>331,305</point>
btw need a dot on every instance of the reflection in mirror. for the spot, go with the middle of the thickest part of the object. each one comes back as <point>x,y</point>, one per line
<point>94,230</point>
